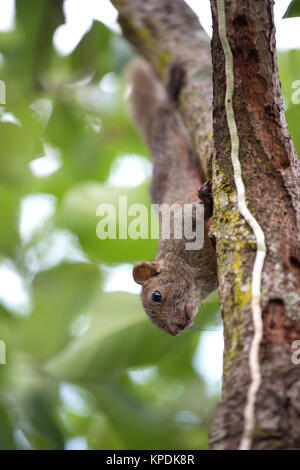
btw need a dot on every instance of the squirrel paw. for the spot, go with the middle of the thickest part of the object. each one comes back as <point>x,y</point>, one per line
<point>176,81</point>
<point>205,196</point>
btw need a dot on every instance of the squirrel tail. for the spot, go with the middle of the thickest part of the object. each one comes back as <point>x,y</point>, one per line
<point>146,95</point>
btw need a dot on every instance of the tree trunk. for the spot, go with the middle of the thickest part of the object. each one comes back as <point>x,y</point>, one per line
<point>167,31</point>
<point>271,174</point>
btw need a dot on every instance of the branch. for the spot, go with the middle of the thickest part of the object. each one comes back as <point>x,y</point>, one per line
<point>165,32</point>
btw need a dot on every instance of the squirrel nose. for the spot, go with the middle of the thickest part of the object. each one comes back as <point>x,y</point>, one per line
<point>177,325</point>
<point>174,329</point>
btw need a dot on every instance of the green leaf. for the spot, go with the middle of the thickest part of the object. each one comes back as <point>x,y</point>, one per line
<point>36,22</point>
<point>44,430</point>
<point>293,9</point>
<point>289,66</point>
<point>6,431</point>
<point>18,148</point>
<point>9,210</point>
<point>59,296</point>
<point>139,425</point>
<point>100,51</point>
<point>92,53</point>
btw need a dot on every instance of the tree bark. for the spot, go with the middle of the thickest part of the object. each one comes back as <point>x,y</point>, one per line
<point>165,31</point>
<point>271,173</point>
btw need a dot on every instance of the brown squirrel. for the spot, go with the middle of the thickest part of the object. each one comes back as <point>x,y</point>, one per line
<point>175,283</point>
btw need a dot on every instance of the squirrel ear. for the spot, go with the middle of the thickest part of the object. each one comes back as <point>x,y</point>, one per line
<point>142,272</point>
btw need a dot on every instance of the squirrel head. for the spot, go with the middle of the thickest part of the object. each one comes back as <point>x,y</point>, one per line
<point>170,298</point>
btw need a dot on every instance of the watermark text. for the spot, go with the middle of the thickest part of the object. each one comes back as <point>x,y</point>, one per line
<point>2,352</point>
<point>176,221</point>
<point>2,92</point>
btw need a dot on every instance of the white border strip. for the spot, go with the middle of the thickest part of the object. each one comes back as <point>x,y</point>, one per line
<point>249,412</point>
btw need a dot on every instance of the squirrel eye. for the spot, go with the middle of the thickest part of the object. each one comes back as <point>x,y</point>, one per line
<point>156,297</point>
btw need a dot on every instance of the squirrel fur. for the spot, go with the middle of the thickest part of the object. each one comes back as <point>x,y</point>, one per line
<point>178,280</point>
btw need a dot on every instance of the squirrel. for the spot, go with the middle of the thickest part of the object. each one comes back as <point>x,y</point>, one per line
<point>178,280</point>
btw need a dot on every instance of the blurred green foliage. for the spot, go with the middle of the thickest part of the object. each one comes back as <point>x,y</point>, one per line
<point>74,350</point>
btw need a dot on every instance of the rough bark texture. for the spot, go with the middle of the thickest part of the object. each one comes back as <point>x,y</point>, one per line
<point>165,31</point>
<point>271,173</point>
